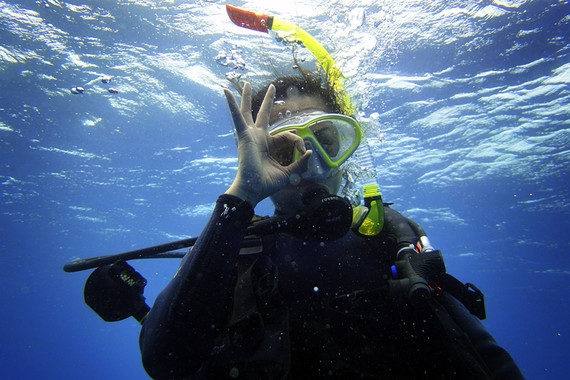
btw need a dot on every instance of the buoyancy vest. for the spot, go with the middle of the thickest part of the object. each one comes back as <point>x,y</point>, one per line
<point>362,334</point>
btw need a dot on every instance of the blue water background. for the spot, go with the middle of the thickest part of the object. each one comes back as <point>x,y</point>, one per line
<point>468,111</point>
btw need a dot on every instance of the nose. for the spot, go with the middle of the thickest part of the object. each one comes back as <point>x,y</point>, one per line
<point>317,167</point>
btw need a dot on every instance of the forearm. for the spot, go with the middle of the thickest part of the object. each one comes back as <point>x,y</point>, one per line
<point>190,311</point>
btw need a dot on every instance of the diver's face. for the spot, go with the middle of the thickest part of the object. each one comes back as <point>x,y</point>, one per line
<point>288,199</point>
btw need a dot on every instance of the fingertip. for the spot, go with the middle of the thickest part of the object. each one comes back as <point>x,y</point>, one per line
<point>232,103</point>
<point>303,161</point>
<point>300,145</point>
<point>271,91</point>
<point>246,88</point>
<point>228,94</point>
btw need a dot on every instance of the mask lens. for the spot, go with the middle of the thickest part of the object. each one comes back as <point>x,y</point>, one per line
<point>336,136</point>
<point>327,135</point>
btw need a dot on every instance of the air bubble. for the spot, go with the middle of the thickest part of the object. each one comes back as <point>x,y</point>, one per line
<point>294,179</point>
<point>234,373</point>
<point>292,92</point>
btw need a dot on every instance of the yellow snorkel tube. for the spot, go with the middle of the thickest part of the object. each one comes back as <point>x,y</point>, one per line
<point>368,220</point>
<point>290,32</point>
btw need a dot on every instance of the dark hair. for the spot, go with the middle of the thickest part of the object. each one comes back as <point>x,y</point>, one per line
<point>305,85</point>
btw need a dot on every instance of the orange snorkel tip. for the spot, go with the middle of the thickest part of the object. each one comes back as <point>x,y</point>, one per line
<point>249,20</point>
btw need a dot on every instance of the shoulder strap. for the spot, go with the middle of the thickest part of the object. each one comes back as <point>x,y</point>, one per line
<point>244,296</point>
<point>258,329</point>
<point>464,350</point>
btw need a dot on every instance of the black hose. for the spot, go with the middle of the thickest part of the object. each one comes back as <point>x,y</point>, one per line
<point>161,251</point>
<point>94,262</point>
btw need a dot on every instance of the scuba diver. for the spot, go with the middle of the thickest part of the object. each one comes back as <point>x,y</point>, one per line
<point>321,289</point>
<point>315,298</point>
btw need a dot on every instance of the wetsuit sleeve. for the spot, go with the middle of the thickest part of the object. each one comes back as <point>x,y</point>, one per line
<point>498,360</point>
<point>187,315</point>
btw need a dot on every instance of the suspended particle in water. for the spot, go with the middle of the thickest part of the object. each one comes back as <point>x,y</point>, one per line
<point>234,373</point>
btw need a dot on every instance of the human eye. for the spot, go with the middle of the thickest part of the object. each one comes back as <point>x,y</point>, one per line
<point>327,135</point>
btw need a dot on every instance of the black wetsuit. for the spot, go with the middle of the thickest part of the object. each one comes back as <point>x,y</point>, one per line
<point>306,309</point>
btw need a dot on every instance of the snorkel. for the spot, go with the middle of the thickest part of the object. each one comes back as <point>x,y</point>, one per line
<point>368,219</point>
<point>291,33</point>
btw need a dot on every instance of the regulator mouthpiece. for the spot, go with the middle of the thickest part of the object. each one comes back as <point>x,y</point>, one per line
<point>328,216</point>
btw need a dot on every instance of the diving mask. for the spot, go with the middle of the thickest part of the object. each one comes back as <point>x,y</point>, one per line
<point>334,137</point>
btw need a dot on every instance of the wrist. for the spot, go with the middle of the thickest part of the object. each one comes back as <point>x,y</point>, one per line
<point>239,192</point>
<point>236,205</point>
